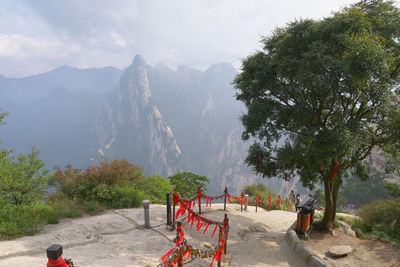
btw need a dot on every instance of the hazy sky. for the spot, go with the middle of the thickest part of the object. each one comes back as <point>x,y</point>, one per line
<point>39,35</point>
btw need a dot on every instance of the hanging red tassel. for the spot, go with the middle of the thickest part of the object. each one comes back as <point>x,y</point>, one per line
<point>193,219</point>
<point>214,230</point>
<point>206,228</point>
<point>260,160</point>
<point>201,224</point>
<point>279,201</point>
<point>334,171</point>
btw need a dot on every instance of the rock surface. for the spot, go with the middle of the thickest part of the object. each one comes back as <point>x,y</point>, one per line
<point>340,251</point>
<point>347,229</point>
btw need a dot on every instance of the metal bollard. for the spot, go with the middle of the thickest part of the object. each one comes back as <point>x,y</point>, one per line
<point>245,201</point>
<point>168,208</point>
<point>146,206</point>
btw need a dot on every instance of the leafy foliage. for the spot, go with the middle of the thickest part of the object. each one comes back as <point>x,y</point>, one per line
<point>394,189</point>
<point>322,92</point>
<point>363,192</point>
<point>379,219</point>
<point>187,183</point>
<point>21,179</point>
<point>263,193</point>
<point>156,188</point>
<point>23,184</point>
<point>110,183</point>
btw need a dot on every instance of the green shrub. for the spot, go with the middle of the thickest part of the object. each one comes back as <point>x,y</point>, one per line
<point>18,220</point>
<point>156,187</point>
<point>187,183</point>
<point>22,187</point>
<point>380,219</point>
<point>263,193</point>
<point>109,184</point>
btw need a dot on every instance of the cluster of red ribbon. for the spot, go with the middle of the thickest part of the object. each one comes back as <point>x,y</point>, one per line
<point>177,248</point>
<point>210,199</point>
<point>186,205</point>
<point>278,202</point>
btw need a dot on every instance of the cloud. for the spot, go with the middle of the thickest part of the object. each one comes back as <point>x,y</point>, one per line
<point>119,40</point>
<point>96,33</point>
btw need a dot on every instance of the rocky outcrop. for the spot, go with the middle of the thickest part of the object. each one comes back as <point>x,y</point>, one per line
<point>131,126</point>
<point>168,121</point>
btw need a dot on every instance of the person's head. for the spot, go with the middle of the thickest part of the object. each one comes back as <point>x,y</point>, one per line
<point>298,195</point>
<point>292,192</point>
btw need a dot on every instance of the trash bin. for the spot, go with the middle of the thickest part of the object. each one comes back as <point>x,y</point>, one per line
<point>305,216</point>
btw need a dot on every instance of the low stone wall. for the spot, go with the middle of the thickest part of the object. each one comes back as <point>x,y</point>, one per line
<point>298,246</point>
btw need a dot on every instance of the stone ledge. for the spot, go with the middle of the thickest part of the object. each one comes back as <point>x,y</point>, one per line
<point>298,246</point>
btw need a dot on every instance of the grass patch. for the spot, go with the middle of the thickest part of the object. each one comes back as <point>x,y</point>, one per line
<point>378,220</point>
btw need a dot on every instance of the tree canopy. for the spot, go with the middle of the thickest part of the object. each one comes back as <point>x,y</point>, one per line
<point>324,92</point>
<point>187,183</point>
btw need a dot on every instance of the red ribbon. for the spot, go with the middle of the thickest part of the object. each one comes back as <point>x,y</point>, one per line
<point>229,198</point>
<point>334,171</point>
<point>214,230</point>
<point>201,224</point>
<point>193,219</point>
<point>279,201</point>
<point>206,228</point>
<point>269,200</point>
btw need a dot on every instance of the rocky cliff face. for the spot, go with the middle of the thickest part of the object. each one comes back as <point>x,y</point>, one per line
<point>130,126</point>
<point>183,120</point>
<point>169,121</point>
<point>164,120</point>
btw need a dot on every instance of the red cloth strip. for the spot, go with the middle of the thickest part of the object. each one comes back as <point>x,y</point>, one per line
<point>214,230</point>
<point>193,219</point>
<point>202,223</point>
<point>334,171</point>
<point>163,258</point>
<point>206,228</point>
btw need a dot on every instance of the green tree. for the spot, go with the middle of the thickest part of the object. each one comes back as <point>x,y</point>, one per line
<point>22,180</point>
<point>393,188</point>
<point>186,183</point>
<point>23,185</point>
<point>322,92</point>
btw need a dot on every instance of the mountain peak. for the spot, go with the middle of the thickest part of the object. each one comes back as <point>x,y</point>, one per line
<point>138,60</point>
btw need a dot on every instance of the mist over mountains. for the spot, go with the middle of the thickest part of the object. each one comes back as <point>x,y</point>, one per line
<point>161,119</point>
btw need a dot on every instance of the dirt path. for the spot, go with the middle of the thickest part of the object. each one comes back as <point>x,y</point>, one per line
<point>118,238</point>
<point>367,253</point>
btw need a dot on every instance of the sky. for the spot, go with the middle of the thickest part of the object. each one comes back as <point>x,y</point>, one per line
<point>39,35</point>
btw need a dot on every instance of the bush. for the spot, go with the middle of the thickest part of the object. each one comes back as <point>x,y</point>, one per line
<point>18,220</point>
<point>263,193</point>
<point>155,188</point>
<point>187,183</point>
<point>380,219</point>
<point>97,181</point>
<point>22,187</point>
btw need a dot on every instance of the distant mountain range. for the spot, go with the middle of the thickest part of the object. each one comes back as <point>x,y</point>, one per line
<point>164,120</point>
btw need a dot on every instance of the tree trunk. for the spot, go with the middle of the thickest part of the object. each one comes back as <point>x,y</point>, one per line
<point>331,192</point>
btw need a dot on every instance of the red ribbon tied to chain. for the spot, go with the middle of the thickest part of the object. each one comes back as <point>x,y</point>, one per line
<point>269,200</point>
<point>279,201</point>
